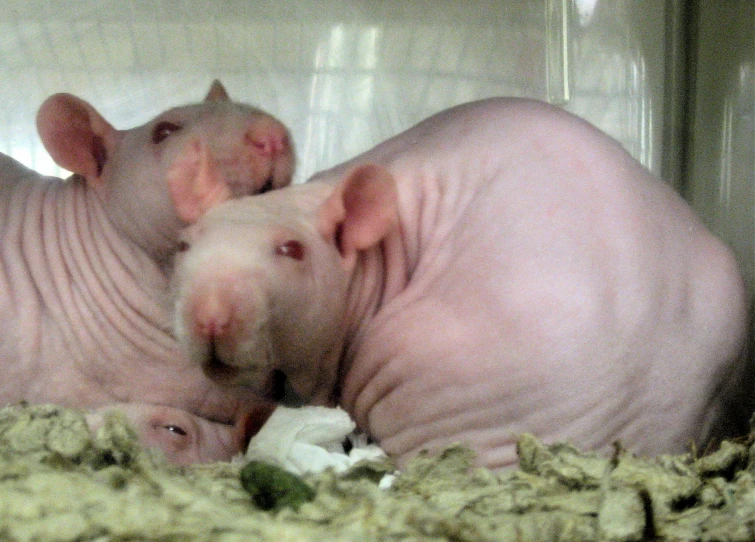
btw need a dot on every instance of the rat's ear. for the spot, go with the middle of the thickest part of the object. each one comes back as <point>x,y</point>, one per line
<point>217,93</point>
<point>195,183</point>
<point>77,137</point>
<point>361,210</point>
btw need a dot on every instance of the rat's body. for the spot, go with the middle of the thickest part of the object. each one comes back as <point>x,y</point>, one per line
<point>504,267</point>
<point>84,262</point>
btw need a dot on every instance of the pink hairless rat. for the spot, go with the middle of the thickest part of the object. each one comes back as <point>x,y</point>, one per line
<point>501,267</point>
<point>84,263</point>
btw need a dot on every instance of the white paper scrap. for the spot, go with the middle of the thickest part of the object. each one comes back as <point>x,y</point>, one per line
<point>310,439</point>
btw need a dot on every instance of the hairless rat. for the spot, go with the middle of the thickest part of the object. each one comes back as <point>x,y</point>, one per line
<point>84,262</point>
<point>501,267</point>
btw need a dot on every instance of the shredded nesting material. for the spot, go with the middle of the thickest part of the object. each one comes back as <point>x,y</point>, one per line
<point>60,482</point>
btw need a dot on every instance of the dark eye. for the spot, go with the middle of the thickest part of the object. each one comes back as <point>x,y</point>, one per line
<point>291,249</point>
<point>175,429</point>
<point>162,130</point>
<point>183,246</point>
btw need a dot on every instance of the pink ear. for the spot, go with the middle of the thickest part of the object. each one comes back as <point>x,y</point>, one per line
<point>195,184</point>
<point>217,93</point>
<point>77,137</point>
<point>362,209</point>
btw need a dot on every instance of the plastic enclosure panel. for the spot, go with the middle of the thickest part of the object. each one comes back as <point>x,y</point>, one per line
<point>343,75</point>
<point>722,169</point>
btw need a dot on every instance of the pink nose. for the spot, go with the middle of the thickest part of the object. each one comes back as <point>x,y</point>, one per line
<point>268,139</point>
<point>216,309</point>
<point>211,318</point>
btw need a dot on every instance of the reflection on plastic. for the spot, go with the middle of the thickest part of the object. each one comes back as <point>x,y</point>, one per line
<point>558,49</point>
<point>585,9</point>
<point>735,209</point>
<point>342,76</point>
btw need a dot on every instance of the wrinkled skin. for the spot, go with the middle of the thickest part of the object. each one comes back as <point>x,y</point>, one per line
<point>84,263</point>
<point>502,267</point>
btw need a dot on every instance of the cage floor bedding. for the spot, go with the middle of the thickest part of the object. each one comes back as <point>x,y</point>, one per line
<point>58,481</point>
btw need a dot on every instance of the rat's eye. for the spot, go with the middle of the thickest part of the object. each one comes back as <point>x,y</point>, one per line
<point>183,246</point>
<point>175,430</point>
<point>291,249</point>
<point>162,130</point>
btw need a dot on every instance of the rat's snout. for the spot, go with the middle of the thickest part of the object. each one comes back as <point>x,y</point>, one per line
<point>258,157</point>
<point>224,319</point>
<point>215,310</point>
<point>269,138</point>
<point>231,159</point>
<point>220,307</point>
<point>270,152</point>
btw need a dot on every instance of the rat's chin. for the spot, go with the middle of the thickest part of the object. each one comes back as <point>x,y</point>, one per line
<point>220,372</point>
<point>273,386</point>
<point>227,371</point>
